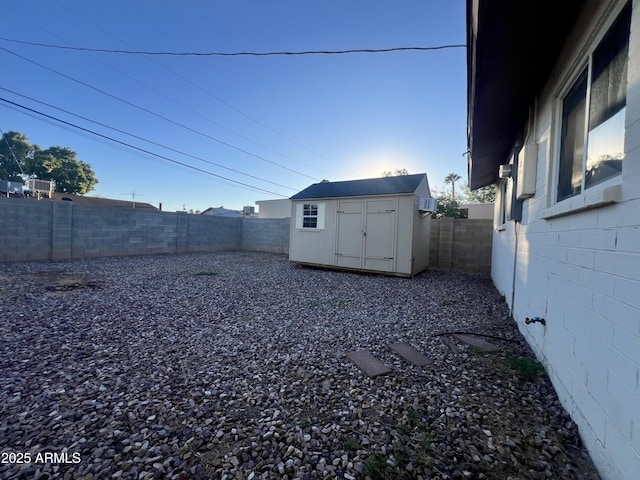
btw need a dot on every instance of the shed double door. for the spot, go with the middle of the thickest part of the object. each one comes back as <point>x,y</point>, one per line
<point>366,234</point>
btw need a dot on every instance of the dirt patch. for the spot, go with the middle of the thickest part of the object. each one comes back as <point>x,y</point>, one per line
<point>64,282</point>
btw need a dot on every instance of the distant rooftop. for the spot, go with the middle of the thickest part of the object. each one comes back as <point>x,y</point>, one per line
<point>355,188</point>
<point>222,212</point>
<point>99,201</point>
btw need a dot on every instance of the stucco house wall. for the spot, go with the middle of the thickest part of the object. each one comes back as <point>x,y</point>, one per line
<point>478,211</point>
<point>280,208</point>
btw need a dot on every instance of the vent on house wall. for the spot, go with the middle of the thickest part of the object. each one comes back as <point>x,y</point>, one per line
<point>504,171</point>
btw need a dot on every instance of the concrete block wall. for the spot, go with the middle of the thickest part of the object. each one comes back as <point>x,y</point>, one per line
<point>461,244</point>
<point>25,232</point>
<point>99,231</point>
<point>46,230</point>
<point>208,233</point>
<point>266,234</point>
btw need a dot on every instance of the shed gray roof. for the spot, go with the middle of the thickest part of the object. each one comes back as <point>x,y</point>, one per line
<point>360,188</point>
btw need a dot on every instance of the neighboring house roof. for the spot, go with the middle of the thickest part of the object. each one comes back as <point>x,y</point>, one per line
<point>222,212</point>
<point>512,47</point>
<point>99,202</point>
<point>401,184</point>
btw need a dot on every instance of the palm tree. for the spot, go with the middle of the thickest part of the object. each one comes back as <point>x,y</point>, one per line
<point>452,178</point>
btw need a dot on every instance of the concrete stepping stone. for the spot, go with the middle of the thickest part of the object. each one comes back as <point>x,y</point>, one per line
<point>410,354</point>
<point>369,364</point>
<point>477,342</point>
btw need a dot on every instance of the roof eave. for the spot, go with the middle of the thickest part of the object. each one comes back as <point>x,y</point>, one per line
<point>509,58</point>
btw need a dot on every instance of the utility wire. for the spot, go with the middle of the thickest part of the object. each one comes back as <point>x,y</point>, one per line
<point>197,87</point>
<point>183,78</point>
<point>246,152</point>
<point>144,139</point>
<point>148,152</point>
<point>237,54</point>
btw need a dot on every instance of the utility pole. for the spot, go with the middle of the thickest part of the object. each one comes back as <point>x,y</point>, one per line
<point>133,197</point>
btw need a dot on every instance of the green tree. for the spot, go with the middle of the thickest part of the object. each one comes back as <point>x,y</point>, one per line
<point>15,151</point>
<point>448,207</point>
<point>21,161</point>
<point>61,165</point>
<point>452,178</point>
<point>397,173</point>
<point>481,195</point>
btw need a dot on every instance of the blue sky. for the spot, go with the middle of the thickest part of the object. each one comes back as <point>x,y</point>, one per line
<point>277,123</point>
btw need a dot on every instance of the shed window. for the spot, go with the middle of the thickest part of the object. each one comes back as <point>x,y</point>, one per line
<point>310,215</point>
<point>593,114</point>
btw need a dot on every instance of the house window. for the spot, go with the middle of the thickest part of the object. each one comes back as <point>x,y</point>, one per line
<point>310,216</point>
<point>593,113</point>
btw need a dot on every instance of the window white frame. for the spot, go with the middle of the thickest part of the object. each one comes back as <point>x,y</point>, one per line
<point>310,216</point>
<point>599,192</point>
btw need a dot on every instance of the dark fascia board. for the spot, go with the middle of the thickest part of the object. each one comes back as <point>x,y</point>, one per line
<point>512,47</point>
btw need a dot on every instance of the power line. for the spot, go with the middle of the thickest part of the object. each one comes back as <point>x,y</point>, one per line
<point>183,78</point>
<point>197,87</point>
<point>145,139</point>
<point>246,152</point>
<point>148,152</point>
<point>237,54</point>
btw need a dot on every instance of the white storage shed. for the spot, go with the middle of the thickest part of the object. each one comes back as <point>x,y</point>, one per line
<point>376,225</point>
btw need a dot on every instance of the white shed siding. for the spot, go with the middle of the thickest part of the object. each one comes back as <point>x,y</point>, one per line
<point>340,243</point>
<point>314,246</point>
<point>350,225</point>
<point>380,230</point>
<point>396,240</point>
<point>581,272</point>
<point>421,229</point>
<point>406,244</point>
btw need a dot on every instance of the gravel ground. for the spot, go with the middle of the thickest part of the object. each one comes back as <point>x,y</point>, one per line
<point>232,365</point>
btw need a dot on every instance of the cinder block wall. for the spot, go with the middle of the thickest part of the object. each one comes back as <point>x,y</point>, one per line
<point>461,244</point>
<point>46,230</point>
<point>266,234</point>
<point>25,232</point>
